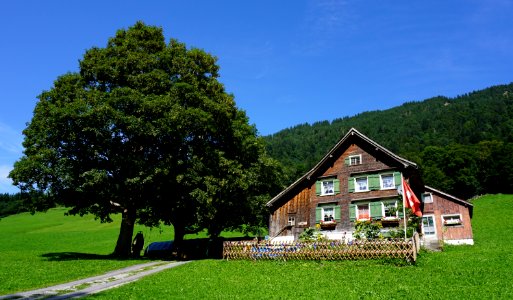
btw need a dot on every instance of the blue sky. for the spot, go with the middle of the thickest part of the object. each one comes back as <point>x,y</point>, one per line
<point>286,62</point>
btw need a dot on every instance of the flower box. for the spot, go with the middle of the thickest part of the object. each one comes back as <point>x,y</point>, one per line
<point>328,225</point>
<point>452,222</point>
<point>390,222</point>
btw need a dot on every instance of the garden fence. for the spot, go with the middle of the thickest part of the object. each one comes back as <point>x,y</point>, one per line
<point>326,250</point>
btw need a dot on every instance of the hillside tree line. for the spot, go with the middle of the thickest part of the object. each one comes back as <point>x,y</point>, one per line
<point>462,145</point>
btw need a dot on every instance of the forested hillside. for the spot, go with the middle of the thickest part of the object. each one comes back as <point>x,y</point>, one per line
<point>464,145</point>
<point>11,204</point>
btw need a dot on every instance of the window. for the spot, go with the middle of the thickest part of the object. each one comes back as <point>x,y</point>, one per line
<point>390,210</point>
<point>427,198</point>
<point>451,220</point>
<point>327,187</point>
<point>428,226</point>
<point>361,184</point>
<point>387,181</point>
<point>292,221</point>
<point>374,182</point>
<point>328,214</point>
<point>386,211</point>
<point>355,159</point>
<point>362,212</point>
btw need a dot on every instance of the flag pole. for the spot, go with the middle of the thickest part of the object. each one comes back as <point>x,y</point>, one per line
<point>404,205</point>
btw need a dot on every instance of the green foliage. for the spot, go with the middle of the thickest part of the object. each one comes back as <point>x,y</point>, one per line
<point>11,204</point>
<point>413,223</point>
<point>146,129</point>
<point>468,170</point>
<point>446,136</point>
<point>311,234</point>
<point>366,230</point>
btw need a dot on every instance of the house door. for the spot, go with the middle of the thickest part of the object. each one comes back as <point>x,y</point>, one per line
<point>428,227</point>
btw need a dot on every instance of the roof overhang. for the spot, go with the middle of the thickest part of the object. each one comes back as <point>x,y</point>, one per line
<point>452,198</point>
<point>351,134</point>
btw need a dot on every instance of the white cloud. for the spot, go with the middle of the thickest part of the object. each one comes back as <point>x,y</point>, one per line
<point>10,140</point>
<point>10,151</point>
<point>6,183</point>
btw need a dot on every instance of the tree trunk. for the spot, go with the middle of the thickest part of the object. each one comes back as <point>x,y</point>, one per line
<point>178,241</point>
<point>215,246</point>
<point>179,234</point>
<point>124,243</point>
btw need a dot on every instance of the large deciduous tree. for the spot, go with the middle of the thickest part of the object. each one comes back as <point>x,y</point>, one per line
<point>147,130</point>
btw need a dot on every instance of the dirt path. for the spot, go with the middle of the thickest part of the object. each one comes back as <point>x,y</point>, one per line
<point>84,287</point>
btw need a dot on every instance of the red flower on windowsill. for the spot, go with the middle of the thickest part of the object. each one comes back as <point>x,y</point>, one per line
<point>452,222</point>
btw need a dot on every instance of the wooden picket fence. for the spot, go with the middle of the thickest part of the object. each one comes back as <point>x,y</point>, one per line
<point>329,250</point>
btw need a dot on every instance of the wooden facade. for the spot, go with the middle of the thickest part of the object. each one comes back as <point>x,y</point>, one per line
<point>446,211</point>
<point>358,179</point>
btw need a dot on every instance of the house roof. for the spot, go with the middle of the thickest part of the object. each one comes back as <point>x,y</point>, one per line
<point>452,198</point>
<point>351,134</point>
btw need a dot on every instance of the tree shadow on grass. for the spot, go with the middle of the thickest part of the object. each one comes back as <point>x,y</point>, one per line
<point>64,256</point>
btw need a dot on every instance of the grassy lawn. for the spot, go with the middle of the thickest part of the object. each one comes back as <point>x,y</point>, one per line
<point>50,248</point>
<point>482,271</point>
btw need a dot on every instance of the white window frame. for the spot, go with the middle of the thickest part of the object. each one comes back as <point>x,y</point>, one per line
<point>447,217</point>
<point>332,209</point>
<point>383,205</point>
<point>434,226</point>
<point>323,192</point>
<point>292,221</point>
<point>357,213</point>
<point>358,156</point>
<point>430,197</point>
<point>357,186</point>
<point>382,182</point>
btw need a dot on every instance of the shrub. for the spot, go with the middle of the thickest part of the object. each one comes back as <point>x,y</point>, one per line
<point>311,234</point>
<point>366,230</point>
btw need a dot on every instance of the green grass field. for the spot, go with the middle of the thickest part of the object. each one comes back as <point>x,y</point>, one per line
<point>482,271</point>
<point>33,255</point>
<point>48,248</point>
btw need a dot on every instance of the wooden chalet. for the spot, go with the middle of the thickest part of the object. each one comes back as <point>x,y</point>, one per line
<point>358,179</point>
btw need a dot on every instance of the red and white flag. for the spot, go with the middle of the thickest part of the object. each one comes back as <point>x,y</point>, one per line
<point>410,200</point>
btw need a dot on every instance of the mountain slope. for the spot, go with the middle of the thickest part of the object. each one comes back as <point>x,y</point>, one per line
<point>485,115</point>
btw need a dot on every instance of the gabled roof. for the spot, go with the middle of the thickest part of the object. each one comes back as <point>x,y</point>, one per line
<point>452,198</point>
<point>352,133</point>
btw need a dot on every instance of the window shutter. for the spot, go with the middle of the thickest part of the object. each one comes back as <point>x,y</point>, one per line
<point>350,184</point>
<point>336,186</point>
<point>318,188</point>
<point>337,213</point>
<point>397,179</point>
<point>346,161</point>
<point>318,214</point>
<point>376,211</point>
<point>400,211</point>
<point>352,212</point>
<point>374,183</point>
